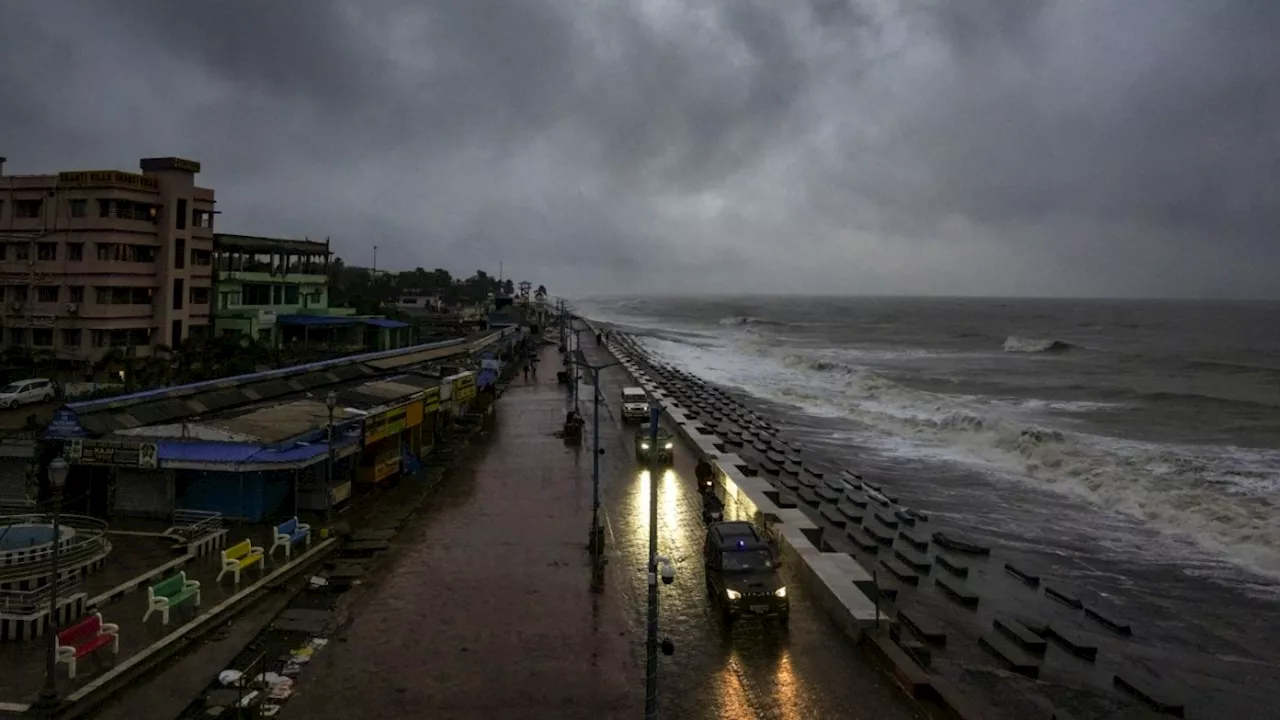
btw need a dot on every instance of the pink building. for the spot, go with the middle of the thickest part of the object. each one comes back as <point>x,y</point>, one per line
<point>91,260</point>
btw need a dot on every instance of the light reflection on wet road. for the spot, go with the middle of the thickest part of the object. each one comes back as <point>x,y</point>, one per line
<point>757,669</point>
<point>485,611</point>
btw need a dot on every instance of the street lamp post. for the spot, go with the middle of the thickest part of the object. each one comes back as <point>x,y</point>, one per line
<point>576,374</point>
<point>651,642</point>
<point>330,402</point>
<point>58,469</point>
<point>596,543</point>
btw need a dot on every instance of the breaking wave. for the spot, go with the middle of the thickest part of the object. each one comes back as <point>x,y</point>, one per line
<point>1015,344</point>
<point>1224,498</point>
<point>740,320</point>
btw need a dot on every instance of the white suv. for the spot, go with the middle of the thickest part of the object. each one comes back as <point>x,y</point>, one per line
<point>23,392</point>
<point>635,404</point>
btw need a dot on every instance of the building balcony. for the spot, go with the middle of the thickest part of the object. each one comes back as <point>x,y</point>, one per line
<point>266,277</point>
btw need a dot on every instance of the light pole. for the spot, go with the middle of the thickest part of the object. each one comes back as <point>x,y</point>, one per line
<point>576,348</point>
<point>596,544</point>
<point>651,643</point>
<point>48,699</point>
<point>331,402</point>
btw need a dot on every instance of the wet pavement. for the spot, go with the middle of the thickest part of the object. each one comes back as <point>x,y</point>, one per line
<point>131,556</point>
<point>1097,643</point>
<point>485,611</point>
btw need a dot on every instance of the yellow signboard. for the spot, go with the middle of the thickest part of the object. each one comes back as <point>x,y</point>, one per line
<point>464,389</point>
<point>413,414</point>
<point>384,426</point>
<point>431,400</point>
<point>108,178</point>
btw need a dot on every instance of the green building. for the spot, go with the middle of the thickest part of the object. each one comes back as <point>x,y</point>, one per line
<point>276,291</point>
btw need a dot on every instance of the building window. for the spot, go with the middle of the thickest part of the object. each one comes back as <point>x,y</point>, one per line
<point>175,333</point>
<point>21,251</point>
<point>279,294</point>
<point>27,208</point>
<point>199,296</point>
<point>76,294</point>
<point>179,253</point>
<point>75,252</point>
<point>291,295</point>
<point>127,210</point>
<point>181,216</point>
<point>178,292</point>
<point>123,295</point>
<point>202,219</point>
<point>257,294</point>
<point>47,293</point>
<point>42,337</point>
<point>79,208</point>
<point>19,293</point>
<point>17,336</point>
<point>138,337</point>
<point>201,258</point>
<point>71,338</point>
<point>4,251</point>
<point>46,251</point>
<point>119,252</point>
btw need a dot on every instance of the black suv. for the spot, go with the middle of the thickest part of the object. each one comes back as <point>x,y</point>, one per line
<point>742,573</point>
<point>664,450</point>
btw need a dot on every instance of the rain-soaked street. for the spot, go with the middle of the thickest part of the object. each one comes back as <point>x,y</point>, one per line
<point>485,610</point>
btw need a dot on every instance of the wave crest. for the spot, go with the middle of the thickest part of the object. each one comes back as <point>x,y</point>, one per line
<point>741,320</point>
<point>1013,343</point>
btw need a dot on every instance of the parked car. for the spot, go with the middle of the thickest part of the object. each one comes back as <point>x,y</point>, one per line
<point>25,392</point>
<point>742,573</point>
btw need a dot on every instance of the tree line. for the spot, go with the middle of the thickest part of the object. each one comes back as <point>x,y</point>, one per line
<point>367,291</point>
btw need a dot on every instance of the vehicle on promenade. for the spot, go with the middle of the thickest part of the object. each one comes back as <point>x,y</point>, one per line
<point>742,573</point>
<point>646,448</point>
<point>635,404</point>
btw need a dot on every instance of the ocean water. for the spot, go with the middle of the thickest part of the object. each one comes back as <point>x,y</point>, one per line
<point>1142,431</point>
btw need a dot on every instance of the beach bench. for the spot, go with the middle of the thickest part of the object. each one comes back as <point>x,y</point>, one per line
<point>83,638</point>
<point>171,593</point>
<point>238,557</point>
<point>289,532</point>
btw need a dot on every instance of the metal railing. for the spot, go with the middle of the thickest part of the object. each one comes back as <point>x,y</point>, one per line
<point>90,541</point>
<point>190,525</point>
<point>28,602</point>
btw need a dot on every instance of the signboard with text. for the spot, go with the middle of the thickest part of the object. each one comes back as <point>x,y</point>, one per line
<point>385,425</point>
<point>431,400</point>
<point>464,388</point>
<point>113,452</point>
<point>108,178</point>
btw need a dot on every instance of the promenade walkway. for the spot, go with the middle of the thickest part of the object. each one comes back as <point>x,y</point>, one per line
<point>486,613</point>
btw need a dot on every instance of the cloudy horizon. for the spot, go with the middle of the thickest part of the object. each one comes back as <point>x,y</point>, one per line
<point>1045,147</point>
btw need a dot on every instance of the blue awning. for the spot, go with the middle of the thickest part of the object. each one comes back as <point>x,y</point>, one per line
<point>384,323</point>
<point>314,320</point>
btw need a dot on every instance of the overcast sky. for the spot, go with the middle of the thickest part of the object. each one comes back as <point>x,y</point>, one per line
<point>1039,147</point>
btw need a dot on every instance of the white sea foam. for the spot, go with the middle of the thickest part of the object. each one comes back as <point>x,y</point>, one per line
<point>1226,499</point>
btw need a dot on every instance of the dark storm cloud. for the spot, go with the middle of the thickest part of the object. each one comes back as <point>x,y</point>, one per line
<point>1043,147</point>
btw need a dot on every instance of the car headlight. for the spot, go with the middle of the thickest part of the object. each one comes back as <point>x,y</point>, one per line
<point>668,446</point>
<point>780,592</point>
<point>644,446</point>
<point>734,594</point>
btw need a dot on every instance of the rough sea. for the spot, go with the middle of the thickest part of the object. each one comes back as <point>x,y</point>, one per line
<point>1140,437</point>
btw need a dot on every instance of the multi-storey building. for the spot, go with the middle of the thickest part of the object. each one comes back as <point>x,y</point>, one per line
<point>260,279</point>
<point>276,291</point>
<point>91,260</point>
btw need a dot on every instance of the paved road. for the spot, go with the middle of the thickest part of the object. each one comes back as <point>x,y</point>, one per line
<point>16,419</point>
<point>756,670</point>
<point>487,613</point>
